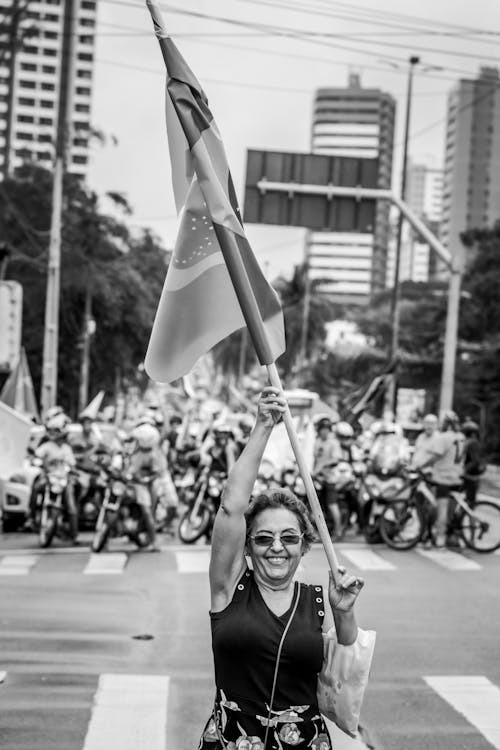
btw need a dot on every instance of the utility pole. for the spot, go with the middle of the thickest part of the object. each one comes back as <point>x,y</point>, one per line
<point>62,155</point>
<point>395,311</point>
<point>87,333</point>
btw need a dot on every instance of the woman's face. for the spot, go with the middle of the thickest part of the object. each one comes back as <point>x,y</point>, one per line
<point>276,562</point>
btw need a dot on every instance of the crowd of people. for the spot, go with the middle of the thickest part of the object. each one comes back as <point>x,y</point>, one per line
<point>156,452</point>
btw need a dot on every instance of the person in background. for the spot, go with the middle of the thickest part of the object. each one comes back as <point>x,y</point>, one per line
<point>446,460</point>
<point>473,467</point>
<point>425,442</point>
<point>219,449</point>
<point>55,453</point>
<point>146,464</point>
<point>327,454</point>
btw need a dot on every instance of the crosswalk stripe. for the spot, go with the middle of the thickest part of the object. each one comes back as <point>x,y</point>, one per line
<point>189,563</point>
<point>109,563</point>
<point>450,560</point>
<point>476,698</point>
<point>17,565</point>
<point>129,712</point>
<point>367,559</point>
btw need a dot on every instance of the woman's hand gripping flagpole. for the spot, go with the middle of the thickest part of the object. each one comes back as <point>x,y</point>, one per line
<point>275,381</point>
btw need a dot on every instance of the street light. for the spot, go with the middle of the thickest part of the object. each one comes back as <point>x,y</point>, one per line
<point>414,60</point>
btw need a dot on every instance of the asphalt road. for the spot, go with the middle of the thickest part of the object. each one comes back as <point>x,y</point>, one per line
<point>68,638</point>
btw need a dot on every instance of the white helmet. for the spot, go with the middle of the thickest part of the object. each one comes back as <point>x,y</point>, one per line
<point>57,423</point>
<point>344,430</point>
<point>146,436</point>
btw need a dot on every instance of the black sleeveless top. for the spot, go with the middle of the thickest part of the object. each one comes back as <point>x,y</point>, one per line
<point>245,641</point>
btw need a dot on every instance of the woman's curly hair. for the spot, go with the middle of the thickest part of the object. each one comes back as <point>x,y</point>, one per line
<point>278,497</point>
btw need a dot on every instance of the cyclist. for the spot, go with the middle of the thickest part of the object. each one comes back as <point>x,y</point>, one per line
<point>473,466</point>
<point>446,459</point>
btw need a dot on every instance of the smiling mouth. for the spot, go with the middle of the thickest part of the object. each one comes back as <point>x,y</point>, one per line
<point>276,560</point>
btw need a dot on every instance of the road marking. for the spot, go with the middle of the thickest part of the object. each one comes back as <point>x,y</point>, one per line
<point>476,698</point>
<point>366,559</point>
<point>16,565</point>
<point>450,560</point>
<point>108,563</point>
<point>189,563</point>
<point>129,712</point>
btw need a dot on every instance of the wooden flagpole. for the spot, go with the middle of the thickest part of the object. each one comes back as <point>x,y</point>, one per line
<point>312,496</point>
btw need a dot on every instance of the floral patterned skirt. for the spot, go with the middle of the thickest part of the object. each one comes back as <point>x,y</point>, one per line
<point>239,726</point>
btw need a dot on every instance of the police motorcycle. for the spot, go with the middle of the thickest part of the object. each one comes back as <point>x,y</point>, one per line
<point>203,503</point>
<point>90,486</point>
<point>385,477</point>
<point>51,515</point>
<point>120,513</point>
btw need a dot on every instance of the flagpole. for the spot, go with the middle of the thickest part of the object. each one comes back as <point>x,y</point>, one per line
<point>312,496</point>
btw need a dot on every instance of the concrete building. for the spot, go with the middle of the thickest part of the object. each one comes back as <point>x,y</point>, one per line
<point>471,196</point>
<point>36,84</point>
<point>424,195</point>
<point>356,122</point>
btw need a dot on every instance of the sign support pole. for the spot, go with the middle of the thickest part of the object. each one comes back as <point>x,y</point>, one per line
<point>454,263</point>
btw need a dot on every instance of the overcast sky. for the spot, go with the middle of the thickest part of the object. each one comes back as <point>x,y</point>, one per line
<point>260,86</point>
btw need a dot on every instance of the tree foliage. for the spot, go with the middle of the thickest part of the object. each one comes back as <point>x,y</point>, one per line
<point>123,273</point>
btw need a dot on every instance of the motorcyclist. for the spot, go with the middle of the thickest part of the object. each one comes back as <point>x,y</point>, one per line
<point>55,453</point>
<point>390,450</point>
<point>327,454</point>
<point>352,455</point>
<point>146,464</point>
<point>245,426</point>
<point>219,450</point>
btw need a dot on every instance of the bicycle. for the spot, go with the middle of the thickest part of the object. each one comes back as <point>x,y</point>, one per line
<point>409,514</point>
<point>405,522</point>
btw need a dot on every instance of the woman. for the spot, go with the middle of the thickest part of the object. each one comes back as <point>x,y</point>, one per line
<point>267,630</point>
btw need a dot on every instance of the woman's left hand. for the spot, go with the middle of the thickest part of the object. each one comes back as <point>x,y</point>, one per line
<point>343,591</point>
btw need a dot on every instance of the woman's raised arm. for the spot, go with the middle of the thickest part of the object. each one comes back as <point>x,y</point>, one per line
<point>228,539</point>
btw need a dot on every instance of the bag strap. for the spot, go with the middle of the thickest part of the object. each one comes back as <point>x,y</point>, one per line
<point>278,656</point>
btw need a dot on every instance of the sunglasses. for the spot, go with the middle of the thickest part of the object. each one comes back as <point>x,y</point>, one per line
<point>266,538</point>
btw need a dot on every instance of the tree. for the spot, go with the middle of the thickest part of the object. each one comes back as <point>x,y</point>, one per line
<point>478,367</point>
<point>123,274</point>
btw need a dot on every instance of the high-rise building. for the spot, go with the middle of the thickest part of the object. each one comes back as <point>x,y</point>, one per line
<point>357,122</point>
<point>424,195</point>
<point>471,196</point>
<point>28,117</point>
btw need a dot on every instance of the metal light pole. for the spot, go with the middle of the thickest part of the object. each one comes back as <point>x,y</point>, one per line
<point>63,144</point>
<point>395,310</point>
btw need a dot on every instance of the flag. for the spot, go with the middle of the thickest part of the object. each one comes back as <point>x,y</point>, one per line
<point>15,431</point>
<point>18,391</point>
<point>92,409</point>
<point>214,285</point>
<point>358,401</point>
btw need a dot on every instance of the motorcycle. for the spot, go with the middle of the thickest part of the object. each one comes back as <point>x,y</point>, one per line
<point>52,518</point>
<point>91,483</point>
<point>199,518</point>
<point>120,513</point>
<point>375,493</point>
